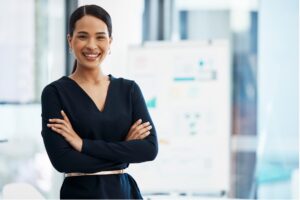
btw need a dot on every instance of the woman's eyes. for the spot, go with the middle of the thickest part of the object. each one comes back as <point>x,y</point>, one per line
<point>83,37</point>
<point>100,37</point>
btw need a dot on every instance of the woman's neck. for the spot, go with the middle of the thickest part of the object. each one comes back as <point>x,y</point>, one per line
<point>95,76</point>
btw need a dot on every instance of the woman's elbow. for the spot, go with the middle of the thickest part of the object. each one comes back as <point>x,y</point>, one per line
<point>152,153</point>
<point>59,166</point>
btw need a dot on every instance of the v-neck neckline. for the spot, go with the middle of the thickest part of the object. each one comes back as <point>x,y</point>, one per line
<point>90,98</point>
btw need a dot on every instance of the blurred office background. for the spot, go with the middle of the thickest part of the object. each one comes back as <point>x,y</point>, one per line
<point>238,136</point>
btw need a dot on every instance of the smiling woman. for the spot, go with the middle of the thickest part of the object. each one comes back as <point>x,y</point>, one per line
<point>90,41</point>
<point>95,125</point>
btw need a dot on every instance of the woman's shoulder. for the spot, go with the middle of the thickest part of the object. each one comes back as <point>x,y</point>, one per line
<point>128,86</point>
<point>125,82</point>
<point>54,85</point>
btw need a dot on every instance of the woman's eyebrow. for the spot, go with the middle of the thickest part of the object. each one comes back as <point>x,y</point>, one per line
<point>101,33</point>
<point>82,32</point>
<point>98,33</point>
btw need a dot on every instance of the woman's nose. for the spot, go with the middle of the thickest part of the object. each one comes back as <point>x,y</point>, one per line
<point>91,44</point>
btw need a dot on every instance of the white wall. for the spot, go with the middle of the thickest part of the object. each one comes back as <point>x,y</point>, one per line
<point>17,51</point>
<point>278,86</point>
<point>278,74</point>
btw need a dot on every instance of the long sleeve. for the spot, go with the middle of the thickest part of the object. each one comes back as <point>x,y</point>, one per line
<point>133,151</point>
<point>62,156</point>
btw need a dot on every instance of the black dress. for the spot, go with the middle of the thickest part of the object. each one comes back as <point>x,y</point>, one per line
<point>103,133</point>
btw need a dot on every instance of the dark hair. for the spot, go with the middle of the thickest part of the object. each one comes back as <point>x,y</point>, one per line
<point>93,10</point>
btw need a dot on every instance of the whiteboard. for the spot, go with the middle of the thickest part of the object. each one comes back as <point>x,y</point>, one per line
<point>187,88</point>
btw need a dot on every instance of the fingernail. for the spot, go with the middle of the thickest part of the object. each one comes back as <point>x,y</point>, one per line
<point>148,123</point>
<point>48,125</point>
<point>62,111</point>
<point>140,120</point>
<point>50,120</point>
<point>150,127</point>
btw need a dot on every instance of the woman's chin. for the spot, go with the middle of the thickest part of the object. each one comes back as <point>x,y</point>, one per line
<point>90,66</point>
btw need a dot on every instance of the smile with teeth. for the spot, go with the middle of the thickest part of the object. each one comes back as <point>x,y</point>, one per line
<point>91,56</point>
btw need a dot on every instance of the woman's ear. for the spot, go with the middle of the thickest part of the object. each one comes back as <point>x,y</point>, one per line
<point>69,38</point>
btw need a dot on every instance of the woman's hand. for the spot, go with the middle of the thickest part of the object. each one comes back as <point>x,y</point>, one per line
<point>139,130</point>
<point>64,128</point>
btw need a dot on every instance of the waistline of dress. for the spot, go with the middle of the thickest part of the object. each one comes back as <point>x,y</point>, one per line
<point>120,171</point>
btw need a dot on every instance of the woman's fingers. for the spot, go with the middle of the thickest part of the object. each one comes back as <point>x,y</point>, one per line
<point>141,128</point>
<point>142,136</point>
<point>58,121</point>
<point>61,123</point>
<point>65,116</point>
<point>142,132</point>
<point>59,126</point>
<point>138,122</point>
<point>64,128</point>
<point>65,119</point>
<point>145,129</point>
<point>59,131</point>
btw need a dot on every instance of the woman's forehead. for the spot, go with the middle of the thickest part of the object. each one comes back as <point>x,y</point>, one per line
<point>90,23</point>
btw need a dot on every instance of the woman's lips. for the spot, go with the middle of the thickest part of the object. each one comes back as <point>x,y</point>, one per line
<point>91,56</point>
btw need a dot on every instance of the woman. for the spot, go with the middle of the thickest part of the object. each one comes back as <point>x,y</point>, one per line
<point>94,125</point>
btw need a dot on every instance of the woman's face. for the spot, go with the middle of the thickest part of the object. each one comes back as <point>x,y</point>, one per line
<point>90,42</point>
